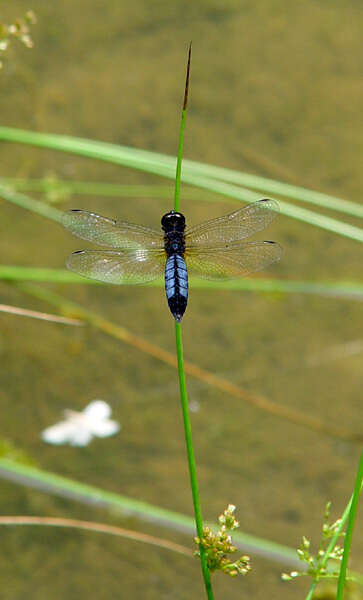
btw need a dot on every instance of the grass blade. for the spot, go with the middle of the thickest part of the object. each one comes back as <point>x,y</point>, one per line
<point>136,536</point>
<point>349,530</point>
<point>164,166</point>
<point>339,289</point>
<point>225,386</point>
<point>68,488</point>
<point>181,371</point>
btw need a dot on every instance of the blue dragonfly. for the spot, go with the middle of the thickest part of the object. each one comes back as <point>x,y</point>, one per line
<point>215,249</point>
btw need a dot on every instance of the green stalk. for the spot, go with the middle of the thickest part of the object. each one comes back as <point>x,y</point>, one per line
<point>345,516</point>
<point>349,530</point>
<point>350,290</point>
<point>191,458</point>
<point>35,206</point>
<point>159,164</point>
<point>181,372</point>
<point>181,138</point>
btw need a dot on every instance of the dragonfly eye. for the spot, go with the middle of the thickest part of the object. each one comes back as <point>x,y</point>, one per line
<point>173,220</point>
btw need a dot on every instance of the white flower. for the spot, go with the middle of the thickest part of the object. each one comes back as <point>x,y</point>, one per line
<point>79,428</point>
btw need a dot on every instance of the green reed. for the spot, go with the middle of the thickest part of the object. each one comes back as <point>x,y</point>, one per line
<point>349,531</point>
<point>224,182</point>
<point>181,371</point>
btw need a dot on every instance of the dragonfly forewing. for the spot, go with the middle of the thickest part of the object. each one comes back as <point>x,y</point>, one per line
<point>108,232</point>
<point>235,226</point>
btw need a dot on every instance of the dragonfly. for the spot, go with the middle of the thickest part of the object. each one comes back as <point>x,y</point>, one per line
<point>215,249</point>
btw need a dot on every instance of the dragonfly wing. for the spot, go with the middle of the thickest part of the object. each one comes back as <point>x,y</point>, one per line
<point>124,266</point>
<point>108,232</point>
<point>234,260</point>
<point>233,227</point>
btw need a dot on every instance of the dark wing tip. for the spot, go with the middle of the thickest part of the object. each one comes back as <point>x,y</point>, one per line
<point>273,204</point>
<point>67,216</point>
<point>278,249</point>
<point>78,252</point>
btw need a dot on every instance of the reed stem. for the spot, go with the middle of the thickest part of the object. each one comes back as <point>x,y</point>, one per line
<point>349,530</point>
<point>191,459</point>
<point>181,371</point>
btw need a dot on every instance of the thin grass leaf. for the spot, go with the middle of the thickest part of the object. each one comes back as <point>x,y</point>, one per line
<point>338,289</point>
<point>129,534</point>
<point>278,188</point>
<point>225,386</point>
<point>118,190</point>
<point>349,530</point>
<point>68,488</point>
<point>25,312</point>
<point>164,166</point>
<point>35,206</point>
<point>338,531</point>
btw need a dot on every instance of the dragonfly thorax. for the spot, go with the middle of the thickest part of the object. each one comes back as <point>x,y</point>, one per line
<point>173,224</point>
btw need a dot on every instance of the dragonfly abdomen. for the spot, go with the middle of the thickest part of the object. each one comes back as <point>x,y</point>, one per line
<point>176,285</point>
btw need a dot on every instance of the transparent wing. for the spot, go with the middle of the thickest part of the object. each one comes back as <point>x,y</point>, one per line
<point>58,434</point>
<point>104,428</point>
<point>234,260</point>
<point>98,409</point>
<point>233,227</point>
<point>107,232</point>
<point>125,266</point>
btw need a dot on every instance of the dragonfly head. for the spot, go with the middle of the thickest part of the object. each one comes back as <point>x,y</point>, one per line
<point>173,220</point>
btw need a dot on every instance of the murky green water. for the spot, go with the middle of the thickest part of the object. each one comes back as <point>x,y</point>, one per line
<point>275,90</point>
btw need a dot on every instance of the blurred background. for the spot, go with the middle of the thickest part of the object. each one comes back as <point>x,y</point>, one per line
<point>276,90</point>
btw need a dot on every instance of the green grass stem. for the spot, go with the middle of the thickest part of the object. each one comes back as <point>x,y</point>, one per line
<point>68,187</point>
<point>191,458</point>
<point>273,187</point>
<point>261,184</point>
<point>181,370</point>
<point>349,530</point>
<point>124,335</point>
<point>179,162</point>
<point>339,530</point>
<point>35,206</point>
<point>51,483</point>
<point>34,477</point>
<point>181,137</point>
<point>195,174</point>
<point>351,290</point>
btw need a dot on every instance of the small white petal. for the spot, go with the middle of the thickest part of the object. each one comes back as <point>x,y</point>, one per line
<point>81,437</point>
<point>79,427</point>
<point>60,433</point>
<point>104,428</point>
<point>98,409</point>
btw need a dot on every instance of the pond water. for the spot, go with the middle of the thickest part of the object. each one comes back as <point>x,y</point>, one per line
<point>274,91</point>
